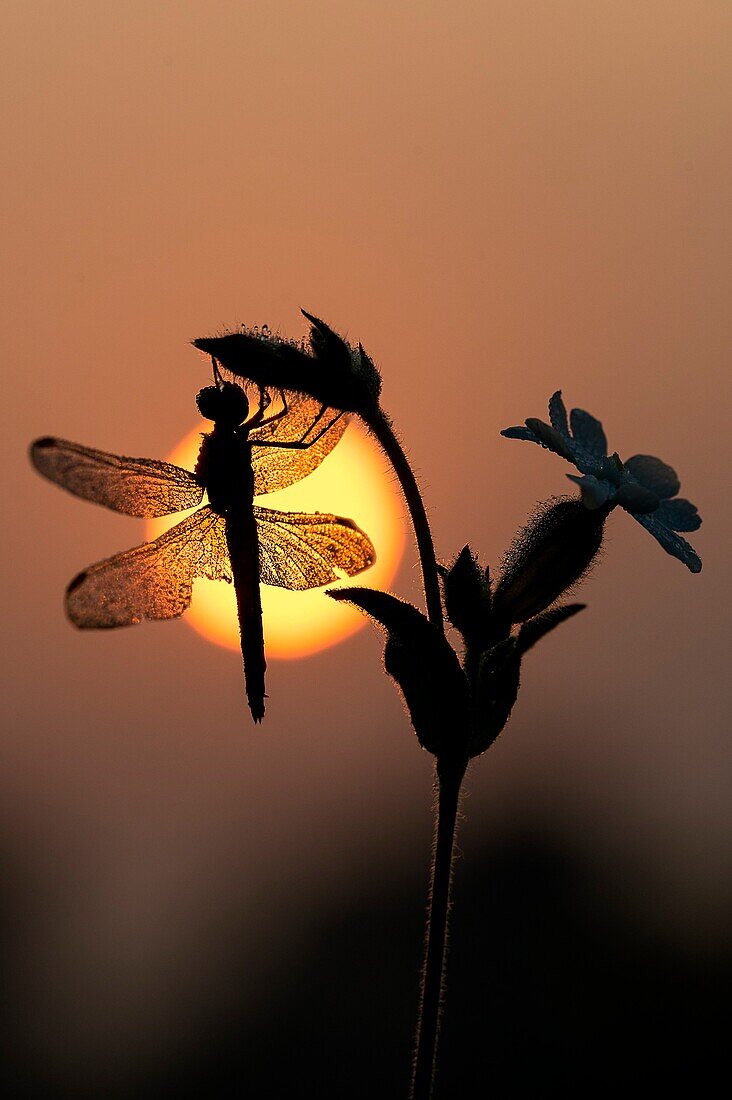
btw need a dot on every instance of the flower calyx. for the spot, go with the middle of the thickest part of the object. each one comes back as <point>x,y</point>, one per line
<point>548,556</point>
<point>424,666</point>
<point>326,367</point>
<point>457,711</point>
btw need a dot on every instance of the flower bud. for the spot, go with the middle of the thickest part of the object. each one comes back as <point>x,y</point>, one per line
<point>334,373</point>
<point>548,556</point>
<point>467,596</point>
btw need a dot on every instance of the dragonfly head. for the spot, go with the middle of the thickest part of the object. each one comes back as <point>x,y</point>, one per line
<point>225,404</point>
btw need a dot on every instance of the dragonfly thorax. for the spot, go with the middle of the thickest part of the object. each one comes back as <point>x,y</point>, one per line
<point>225,404</point>
<point>224,468</point>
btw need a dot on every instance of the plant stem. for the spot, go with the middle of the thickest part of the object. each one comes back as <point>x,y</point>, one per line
<point>448,778</point>
<point>381,426</point>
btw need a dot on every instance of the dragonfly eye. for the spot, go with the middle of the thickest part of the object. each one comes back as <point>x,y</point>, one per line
<point>226,404</point>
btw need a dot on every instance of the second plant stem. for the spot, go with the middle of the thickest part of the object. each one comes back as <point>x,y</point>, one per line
<point>449,777</point>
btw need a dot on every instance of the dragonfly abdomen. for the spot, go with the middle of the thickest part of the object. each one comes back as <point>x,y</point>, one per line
<point>241,538</point>
<point>225,468</point>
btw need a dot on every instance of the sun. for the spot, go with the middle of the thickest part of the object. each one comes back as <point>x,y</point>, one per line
<point>353,481</point>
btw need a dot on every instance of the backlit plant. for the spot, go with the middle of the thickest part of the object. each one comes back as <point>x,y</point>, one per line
<point>458,702</point>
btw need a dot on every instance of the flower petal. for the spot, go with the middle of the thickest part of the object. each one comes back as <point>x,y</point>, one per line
<point>589,433</point>
<point>558,413</point>
<point>595,491</point>
<point>636,498</point>
<point>672,543</point>
<point>654,475</point>
<point>552,439</point>
<point>679,515</point>
<point>521,432</point>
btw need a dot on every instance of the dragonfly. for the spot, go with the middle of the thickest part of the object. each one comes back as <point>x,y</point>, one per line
<point>229,538</point>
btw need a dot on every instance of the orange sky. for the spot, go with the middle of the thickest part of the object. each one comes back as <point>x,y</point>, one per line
<point>497,199</point>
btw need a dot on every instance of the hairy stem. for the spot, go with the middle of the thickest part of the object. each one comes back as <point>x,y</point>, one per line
<point>448,778</point>
<point>381,426</point>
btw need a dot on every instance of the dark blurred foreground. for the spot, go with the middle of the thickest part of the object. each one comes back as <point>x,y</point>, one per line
<point>552,990</point>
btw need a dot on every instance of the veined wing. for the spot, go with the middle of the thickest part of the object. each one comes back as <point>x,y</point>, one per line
<point>299,550</point>
<point>153,581</point>
<point>136,486</point>
<point>275,467</point>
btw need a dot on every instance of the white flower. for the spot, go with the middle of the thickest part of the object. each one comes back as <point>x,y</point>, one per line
<point>643,485</point>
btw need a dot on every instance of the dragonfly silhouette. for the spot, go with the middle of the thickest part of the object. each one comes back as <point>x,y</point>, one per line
<point>230,538</point>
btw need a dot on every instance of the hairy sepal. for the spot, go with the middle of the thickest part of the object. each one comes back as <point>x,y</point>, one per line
<point>426,669</point>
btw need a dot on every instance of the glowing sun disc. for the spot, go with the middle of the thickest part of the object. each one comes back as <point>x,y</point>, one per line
<point>352,481</point>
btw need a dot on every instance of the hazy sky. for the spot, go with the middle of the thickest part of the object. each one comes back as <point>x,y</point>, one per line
<point>498,199</point>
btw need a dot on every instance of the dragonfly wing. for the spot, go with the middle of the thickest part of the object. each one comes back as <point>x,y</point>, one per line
<point>136,486</point>
<point>152,581</point>
<point>299,550</point>
<point>275,467</point>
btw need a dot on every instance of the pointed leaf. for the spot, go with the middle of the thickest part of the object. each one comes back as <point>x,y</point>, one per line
<point>535,629</point>
<point>365,368</point>
<point>496,691</point>
<point>672,543</point>
<point>467,596</point>
<point>653,474</point>
<point>424,665</point>
<point>679,515</point>
<point>589,433</point>
<point>326,343</point>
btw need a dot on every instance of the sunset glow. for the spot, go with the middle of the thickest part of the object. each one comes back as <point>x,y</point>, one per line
<point>352,481</point>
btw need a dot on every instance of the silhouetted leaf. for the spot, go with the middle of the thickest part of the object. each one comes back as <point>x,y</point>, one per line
<point>424,665</point>
<point>535,629</point>
<point>495,693</point>
<point>327,345</point>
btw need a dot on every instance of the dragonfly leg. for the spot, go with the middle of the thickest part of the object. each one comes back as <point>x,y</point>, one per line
<point>299,445</point>
<point>264,403</point>
<point>256,422</point>
<point>218,380</point>
<point>264,400</point>
<point>322,431</point>
<point>310,427</point>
